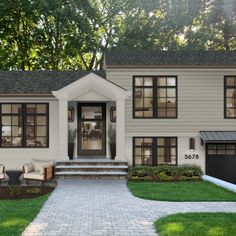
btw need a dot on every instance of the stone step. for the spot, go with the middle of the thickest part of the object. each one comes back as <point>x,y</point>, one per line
<point>90,170</point>
<point>91,163</point>
<point>91,174</point>
<point>91,167</point>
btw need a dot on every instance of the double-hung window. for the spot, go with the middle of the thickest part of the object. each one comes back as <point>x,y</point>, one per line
<point>24,125</point>
<point>230,97</point>
<point>155,97</point>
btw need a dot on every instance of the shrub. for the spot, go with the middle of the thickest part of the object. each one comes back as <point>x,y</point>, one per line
<point>189,171</point>
<point>14,190</point>
<point>165,173</point>
<point>164,177</point>
<point>33,191</point>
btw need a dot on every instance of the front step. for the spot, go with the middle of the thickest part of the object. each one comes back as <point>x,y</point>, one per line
<point>92,162</point>
<point>90,168</point>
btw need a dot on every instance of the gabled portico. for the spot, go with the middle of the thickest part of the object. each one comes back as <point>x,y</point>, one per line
<point>92,89</point>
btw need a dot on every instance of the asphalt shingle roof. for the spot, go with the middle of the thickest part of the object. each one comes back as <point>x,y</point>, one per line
<point>39,82</point>
<point>218,136</point>
<point>170,58</point>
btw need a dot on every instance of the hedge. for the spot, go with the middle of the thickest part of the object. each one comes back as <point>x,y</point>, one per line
<point>165,173</point>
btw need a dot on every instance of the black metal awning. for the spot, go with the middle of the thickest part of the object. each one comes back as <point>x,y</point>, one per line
<point>218,136</point>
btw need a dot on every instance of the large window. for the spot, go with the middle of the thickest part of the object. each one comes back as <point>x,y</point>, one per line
<point>230,97</point>
<point>11,125</point>
<point>152,151</point>
<point>155,97</point>
<point>24,125</point>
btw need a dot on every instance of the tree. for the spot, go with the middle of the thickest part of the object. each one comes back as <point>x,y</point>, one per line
<point>74,34</point>
<point>18,23</point>
<point>222,22</point>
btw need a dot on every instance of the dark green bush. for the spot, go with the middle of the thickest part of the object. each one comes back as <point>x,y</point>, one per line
<point>165,173</point>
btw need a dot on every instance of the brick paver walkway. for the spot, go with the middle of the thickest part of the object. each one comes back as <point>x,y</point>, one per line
<point>107,208</point>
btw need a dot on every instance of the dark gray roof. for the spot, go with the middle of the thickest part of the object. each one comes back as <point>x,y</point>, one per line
<point>218,136</point>
<point>39,82</point>
<point>170,58</point>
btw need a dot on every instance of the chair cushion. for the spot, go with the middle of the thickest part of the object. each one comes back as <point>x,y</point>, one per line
<point>1,169</point>
<point>2,176</point>
<point>38,165</point>
<point>34,175</point>
<point>28,168</point>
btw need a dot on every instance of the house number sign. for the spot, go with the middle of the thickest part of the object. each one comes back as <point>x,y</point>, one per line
<point>191,154</point>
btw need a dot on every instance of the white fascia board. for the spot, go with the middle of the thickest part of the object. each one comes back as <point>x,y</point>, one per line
<point>94,82</point>
<point>27,99</point>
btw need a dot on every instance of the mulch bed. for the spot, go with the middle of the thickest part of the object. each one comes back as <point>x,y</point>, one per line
<point>20,192</point>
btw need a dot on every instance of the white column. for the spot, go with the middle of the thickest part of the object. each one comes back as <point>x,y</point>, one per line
<point>120,130</point>
<point>63,129</point>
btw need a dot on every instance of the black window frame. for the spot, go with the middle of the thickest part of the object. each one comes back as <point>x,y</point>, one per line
<point>225,96</point>
<point>155,95</point>
<point>24,124</point>
<point>217,149</point>
<point>154,150</point>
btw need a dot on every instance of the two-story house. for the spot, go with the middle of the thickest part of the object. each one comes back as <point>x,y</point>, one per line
<point>168,108</point>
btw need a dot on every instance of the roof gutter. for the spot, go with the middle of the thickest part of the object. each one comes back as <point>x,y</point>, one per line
<point>171,66</point>
<point>25,95</point>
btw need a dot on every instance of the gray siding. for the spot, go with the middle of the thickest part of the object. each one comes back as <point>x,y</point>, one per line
<point>200,101</point>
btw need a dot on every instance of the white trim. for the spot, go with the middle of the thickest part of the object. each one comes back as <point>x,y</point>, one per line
<point>109,90</point>
<point>141,69</point>
<point>63,129</point>
<point>91,82</point>
<point>27,99</point>
<point>120,130</point>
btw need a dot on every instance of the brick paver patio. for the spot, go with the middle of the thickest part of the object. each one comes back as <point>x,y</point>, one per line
<point>107,208</point>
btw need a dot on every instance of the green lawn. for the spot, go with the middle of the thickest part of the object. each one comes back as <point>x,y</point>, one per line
<point>197,224</point>
<point>15,215</point>
<point>180,191</point>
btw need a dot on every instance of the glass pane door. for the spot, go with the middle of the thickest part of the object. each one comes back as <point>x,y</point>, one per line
<point>92,123</point>
<point>91,135</point>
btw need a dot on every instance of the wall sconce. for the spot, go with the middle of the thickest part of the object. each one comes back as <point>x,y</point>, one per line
<point>113,114</point>
<point>192,144</point>
<point>71,114</point>
<point>202,142</point>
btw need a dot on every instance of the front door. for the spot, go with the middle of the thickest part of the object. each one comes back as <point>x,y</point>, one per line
<point>91,129</point>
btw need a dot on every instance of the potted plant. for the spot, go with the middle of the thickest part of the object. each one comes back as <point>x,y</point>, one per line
<point>71,142</point>
<point>112,141</point>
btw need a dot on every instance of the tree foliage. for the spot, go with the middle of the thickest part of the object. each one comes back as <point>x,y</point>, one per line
<point>73,34</point>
